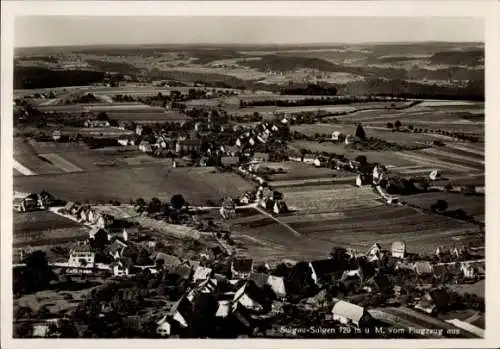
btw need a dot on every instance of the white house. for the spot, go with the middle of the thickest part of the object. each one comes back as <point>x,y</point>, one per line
<point>81,257</point>
<point>202,274</point>
<point>349,314</point>
<point>398,249</point>
<point>119,269</point>
<point>468,271</point>
<point>145,147</point>
<point>250,297</point>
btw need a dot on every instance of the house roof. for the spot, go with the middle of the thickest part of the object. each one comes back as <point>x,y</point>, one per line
<point>116,246</point>
<point>193,142</point>
<point>202,273</point>
<point>182,270</point>
<point>168,260</point>
<point>69,205</point>
<point>252,291</point>
<point>224,307</point>
<point>95,231</point>
<point>229,160</point>
<point>260,279</point>
<point>325,266</point>
<point>277,284</point>
<point>242,265</point>
<point>348,310</point>
<point>423,268</point>
<point>398,246</point>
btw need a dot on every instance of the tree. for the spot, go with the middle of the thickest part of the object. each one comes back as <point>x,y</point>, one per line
<point>36,275</point>
<point>441,205</point>
<point>155,205</point>
<point>361,159</point>
<point>102,116</point>
<point>390,125</point>
<point>360,132</point>
<point>140,205</point>
<point>177,201</point>
<point>397,124</point>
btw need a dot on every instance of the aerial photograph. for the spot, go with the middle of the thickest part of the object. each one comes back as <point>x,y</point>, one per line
<point>248,177</point>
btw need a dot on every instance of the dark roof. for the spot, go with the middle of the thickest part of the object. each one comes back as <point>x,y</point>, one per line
<point>256,293</point>
<point>182,270</point>
<point>195,142</point>
<point>260,279</point>
<point>325,267</point>
<point>242,265</point>
<point>168,260</point>
<point>229,160</point>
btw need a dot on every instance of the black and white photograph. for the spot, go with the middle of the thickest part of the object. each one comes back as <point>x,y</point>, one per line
<point>246,177</point>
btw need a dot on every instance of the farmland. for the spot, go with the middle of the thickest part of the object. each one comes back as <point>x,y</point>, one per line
<point>345,216</point>
<point>39,227</point>
<point>124,184</point>
<point>383,133</point>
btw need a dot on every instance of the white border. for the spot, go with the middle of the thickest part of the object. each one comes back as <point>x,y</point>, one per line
<point>489,10</point>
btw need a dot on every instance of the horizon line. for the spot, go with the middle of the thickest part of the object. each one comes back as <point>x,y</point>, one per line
<point>258,44</point>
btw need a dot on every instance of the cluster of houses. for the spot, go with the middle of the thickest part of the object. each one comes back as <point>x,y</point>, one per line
<point>33,202</point>
<point>87,214</point>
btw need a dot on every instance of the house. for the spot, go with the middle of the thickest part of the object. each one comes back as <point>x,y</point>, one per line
<point>70,205</point>
<point>374,253</point>
<point>223,308</point>
<point>167,261</point>
<point>277,284</point>
<point>380,283</point>
<point>251,297</point>
<point>241,268</point>
<point>426,304</point>
<point>44,328</point>
<point>228,208</point>
<point>98,238</point>
<point>30,202</point>
<point>81,257</point>
<point>96,123</point>
<point>188,145</point>
<point>260,157</point>
<point>145,147</point>
<point>177,315</point>
<point>280,207</point>
<point>126,140</point>
<point>115,249</point>
<point>309,159</point>
<point>260,279</point>
<point>325,270</point>
<point>319,162</point>
<point>467,270</point>
<point>229,161</point>
<point>350,314</point>
<point>202,274</point>
<point>212,253</point>
<point>423,268</point>
<point>337,136</point>
<point>121,267</point>
<point>398,249</point>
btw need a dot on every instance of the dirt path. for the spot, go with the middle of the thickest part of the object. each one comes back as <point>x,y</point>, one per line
<point>23,169</point>
<point>295,232</point>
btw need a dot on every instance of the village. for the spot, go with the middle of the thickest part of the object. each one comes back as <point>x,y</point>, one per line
<point>385,289</point>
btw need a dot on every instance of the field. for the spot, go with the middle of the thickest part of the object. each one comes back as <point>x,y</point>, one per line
<point>466,119</point>
<point>472,205</point>
<point>196,184</point>
<point>44,227</point>
<point>344,215</point>
<point>378,132</point>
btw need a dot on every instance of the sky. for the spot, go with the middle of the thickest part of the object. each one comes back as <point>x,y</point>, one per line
<point>93,30</point>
